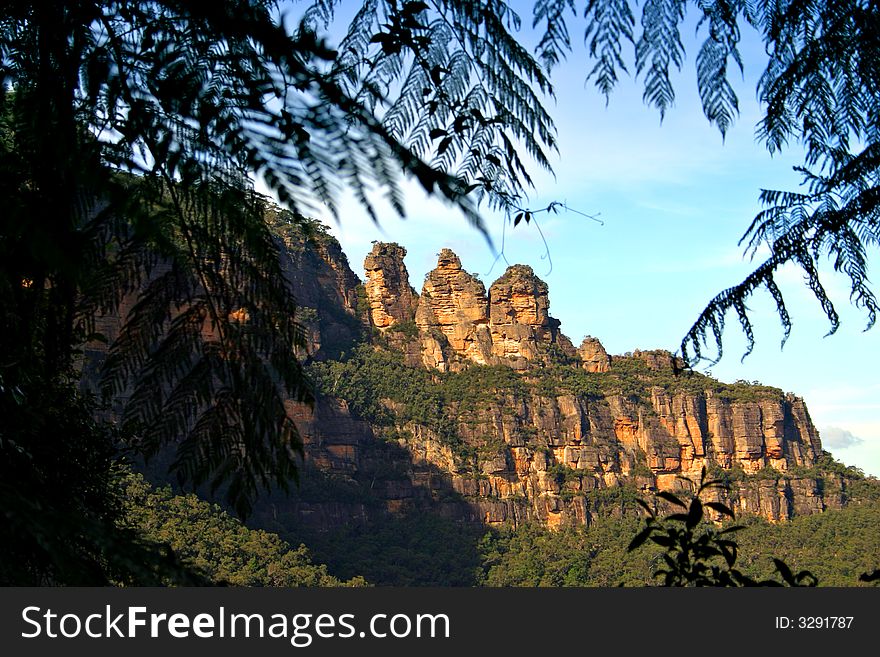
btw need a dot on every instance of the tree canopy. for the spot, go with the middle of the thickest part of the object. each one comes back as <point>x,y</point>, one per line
<point>130,131</point>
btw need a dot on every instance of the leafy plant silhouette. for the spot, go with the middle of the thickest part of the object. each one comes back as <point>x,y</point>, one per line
<point>873,576</point>
<point>696,552</point>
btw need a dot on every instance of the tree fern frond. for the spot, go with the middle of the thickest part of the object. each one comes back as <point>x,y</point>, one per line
<point>608,25</point>
<point>712,317</point>
<point>720,104</point>
<point>555,41</point>
<point>784,317</point>
<point>849,256</point>
<point>320,13</point>
<point>658,48</point>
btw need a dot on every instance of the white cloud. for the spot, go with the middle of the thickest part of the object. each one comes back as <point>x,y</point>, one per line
<point>837,438</point>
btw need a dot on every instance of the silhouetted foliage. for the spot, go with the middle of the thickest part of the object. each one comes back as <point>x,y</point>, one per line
<point>819,88</point>
<point>698,554</point>
<point>128,131</point>
<point>60,498</point>
<point>873,576</point>
<point>470,95</point>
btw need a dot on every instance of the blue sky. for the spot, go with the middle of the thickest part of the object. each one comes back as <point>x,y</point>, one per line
<point>675,199</point>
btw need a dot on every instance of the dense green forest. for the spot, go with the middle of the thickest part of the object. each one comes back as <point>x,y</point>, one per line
<point>425,550</point>
<point>836,546</point>
<point>371,372</point>
<point>216,545</point>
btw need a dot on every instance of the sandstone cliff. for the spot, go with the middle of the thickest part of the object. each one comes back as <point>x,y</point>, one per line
<point>327,290</point>
<point>474,405</point>
<point>516,424</point>
<point>523,451</point>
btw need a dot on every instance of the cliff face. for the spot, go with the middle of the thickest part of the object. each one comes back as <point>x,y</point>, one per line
<point>326,287</point>
<point>490,414</point>
<point>543,446</point>
<point>561,459</point>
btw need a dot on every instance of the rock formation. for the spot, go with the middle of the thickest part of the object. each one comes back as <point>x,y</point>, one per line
<point>554,457</point>
<point>392,300</point>
<point>556,445</point>
<point>593,356</point>
<point>520,326</point>
<point>458,323</point>
<point>452,316</point>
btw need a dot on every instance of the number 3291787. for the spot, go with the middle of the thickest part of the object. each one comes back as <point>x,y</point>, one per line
<point>814,622</point>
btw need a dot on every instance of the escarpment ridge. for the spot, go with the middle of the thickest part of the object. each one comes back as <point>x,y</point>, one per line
<point>471,403</point>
